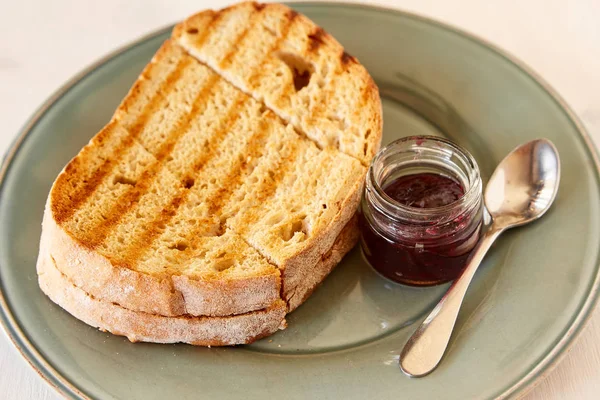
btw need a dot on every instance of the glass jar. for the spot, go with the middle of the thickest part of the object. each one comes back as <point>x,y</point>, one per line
<point>421,246</point>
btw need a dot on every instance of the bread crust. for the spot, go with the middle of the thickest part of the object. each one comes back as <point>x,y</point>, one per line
<point>166,295</point>
<point>98,277</point>
<point>313,277</point>
<point>297,270</point>
<point>144,327</point>
<point>203,331</point>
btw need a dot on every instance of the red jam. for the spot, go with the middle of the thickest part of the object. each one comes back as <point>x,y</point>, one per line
<point>424,190</point>
<point>421,252</point>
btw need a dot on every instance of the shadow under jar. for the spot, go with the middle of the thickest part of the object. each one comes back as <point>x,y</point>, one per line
<point>421,212</point>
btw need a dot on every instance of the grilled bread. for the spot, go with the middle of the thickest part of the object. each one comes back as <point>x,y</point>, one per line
<point>205,331</point>
<point>295,68</point>
<point>144,327</point>
<point>208,195</point>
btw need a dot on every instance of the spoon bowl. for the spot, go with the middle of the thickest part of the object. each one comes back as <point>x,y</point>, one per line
<point>524,184</point>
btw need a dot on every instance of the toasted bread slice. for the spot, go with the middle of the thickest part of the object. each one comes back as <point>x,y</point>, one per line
<point>145,327</point>
<point>195,197</point>
<point>223,190</point>
<point>298,70</point>
<point>204,331</point>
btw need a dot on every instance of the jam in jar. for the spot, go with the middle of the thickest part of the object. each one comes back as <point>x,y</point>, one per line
<point>421,212</point>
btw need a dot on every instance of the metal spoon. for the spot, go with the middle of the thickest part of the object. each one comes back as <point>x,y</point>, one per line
<point>521,190</point>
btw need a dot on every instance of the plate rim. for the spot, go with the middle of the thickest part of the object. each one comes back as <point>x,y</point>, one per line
<point>520,388</point>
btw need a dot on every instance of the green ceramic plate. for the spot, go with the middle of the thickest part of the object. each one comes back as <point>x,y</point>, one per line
<point>527,303</point>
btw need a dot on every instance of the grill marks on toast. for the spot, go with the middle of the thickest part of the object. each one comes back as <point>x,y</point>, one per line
<point>138,247</point>
<point>242,170</point>
<point>143,240</point>
<point>210,31</point>
<point>239,170</point>
<point>214,17</point>
<point>316,39</point>
<point>266,188</point>
<point>64,208</point>
<point>126,202</point>
<point>129,200</point>
<point>278,228</point>
<point>234,46</point>
<point>282,166</point>
<point>285,30</point>
<point>323,76</point>
<point>231,182</point>
<point>257,74</point>
<point>85,191</point>
<point>157,101</point>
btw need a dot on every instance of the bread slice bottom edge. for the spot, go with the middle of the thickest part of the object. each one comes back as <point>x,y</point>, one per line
<point>143,327</point>
<point>140,326</point>
<point>316,274</point>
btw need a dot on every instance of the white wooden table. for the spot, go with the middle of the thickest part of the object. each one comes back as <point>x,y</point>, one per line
<point>44,42</point>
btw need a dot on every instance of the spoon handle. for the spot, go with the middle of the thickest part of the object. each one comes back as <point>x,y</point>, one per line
<point>425,348</point>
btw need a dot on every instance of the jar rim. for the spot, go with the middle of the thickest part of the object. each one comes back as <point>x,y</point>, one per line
<point>472,193</point>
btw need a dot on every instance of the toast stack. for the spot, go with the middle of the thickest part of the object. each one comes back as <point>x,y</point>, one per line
<point>223,190</point>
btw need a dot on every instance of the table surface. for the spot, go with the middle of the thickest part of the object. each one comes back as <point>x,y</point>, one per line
<point>46,42</point>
